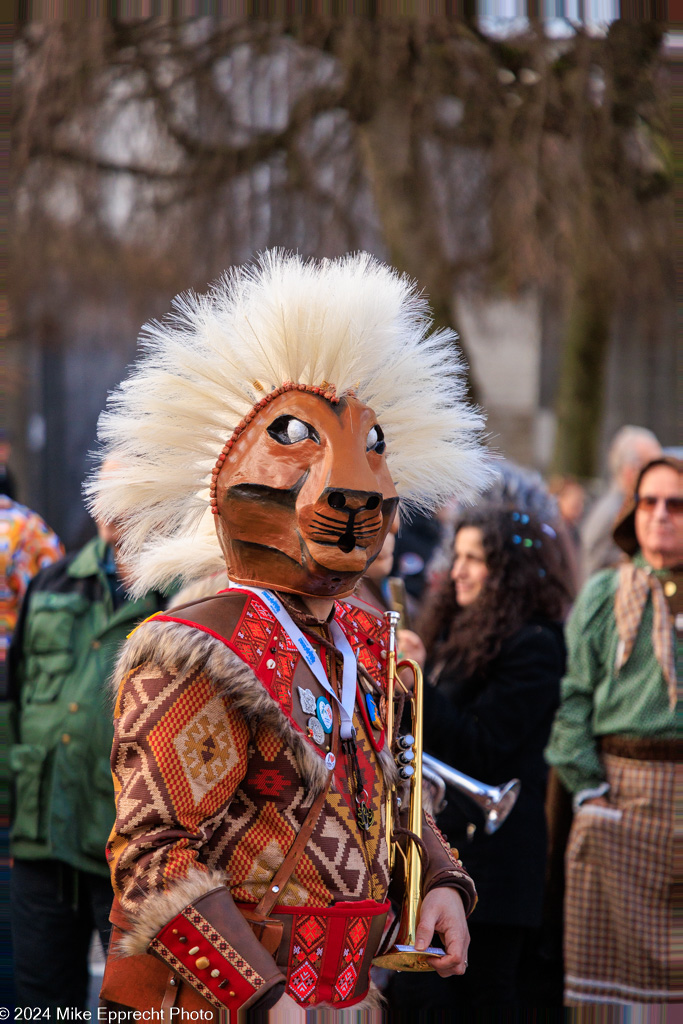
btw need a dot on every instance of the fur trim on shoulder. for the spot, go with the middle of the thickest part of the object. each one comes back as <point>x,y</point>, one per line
<point>162,907</point>
<point>178,648</point>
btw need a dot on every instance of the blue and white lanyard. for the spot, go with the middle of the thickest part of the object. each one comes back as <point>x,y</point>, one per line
<point>348,697</point>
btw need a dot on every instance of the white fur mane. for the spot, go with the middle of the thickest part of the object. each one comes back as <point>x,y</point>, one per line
<point>352,322</point>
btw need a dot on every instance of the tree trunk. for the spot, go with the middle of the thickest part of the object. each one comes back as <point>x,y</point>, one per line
<point>580,395</point>
<point>389,145</point>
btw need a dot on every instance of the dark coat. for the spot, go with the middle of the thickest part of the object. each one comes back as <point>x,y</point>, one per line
<point>494,727</point>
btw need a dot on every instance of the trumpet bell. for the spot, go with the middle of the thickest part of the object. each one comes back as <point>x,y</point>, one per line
<point>496,802</point>
<point>407,958</point>
<point>501,806</point>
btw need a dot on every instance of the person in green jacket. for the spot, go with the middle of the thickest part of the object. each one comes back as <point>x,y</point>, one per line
<point>73,619</point>
<point>616,746</point>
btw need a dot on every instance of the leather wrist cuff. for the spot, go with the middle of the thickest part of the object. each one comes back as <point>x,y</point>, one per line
<point>233,974</point>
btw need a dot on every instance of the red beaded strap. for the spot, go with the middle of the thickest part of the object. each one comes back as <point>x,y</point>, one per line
<point>326,391</point>
<point>199,954</point>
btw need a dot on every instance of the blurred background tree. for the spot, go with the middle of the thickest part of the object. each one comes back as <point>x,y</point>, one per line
<point>148,155</point>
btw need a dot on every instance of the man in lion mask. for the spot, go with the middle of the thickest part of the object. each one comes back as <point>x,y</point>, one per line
<point>271,426</point>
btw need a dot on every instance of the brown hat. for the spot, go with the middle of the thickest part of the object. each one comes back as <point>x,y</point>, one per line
<point>624,531</point>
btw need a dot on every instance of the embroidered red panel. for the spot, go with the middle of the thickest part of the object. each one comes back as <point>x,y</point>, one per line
<point>287,658</point>
<point>355,941</point>
<point>305,962</point>
<point>326,956</point>
<point>253,632</point>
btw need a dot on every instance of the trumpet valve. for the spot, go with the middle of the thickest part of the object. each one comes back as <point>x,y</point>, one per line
<point>406,741</point>
<point>406,756</point>
<point>406,771</point>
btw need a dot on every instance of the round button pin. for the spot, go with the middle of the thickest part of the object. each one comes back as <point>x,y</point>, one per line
<point>324,713</point>
<point>373,714</point>
<point>330,760</point>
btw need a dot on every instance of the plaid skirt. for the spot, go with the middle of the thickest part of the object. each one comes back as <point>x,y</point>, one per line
<point>623,881</point>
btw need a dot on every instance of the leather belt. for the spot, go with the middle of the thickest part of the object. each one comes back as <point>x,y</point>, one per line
<point>642,748</point>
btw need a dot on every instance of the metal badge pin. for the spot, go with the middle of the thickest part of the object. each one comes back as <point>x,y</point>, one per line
<point>307,700</point>
<point>330,761</point>
<point>316,730</point>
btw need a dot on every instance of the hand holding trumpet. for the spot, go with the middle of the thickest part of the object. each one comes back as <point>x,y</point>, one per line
<point>442,912</point>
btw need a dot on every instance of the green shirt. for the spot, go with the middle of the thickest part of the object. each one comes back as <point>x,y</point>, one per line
<point>595,701</point>
<point>63,654</point>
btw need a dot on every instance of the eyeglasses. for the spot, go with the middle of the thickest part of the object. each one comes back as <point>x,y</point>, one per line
<point>648,503</point>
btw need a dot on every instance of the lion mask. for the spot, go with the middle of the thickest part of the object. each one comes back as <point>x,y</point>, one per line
<point>303,496</point>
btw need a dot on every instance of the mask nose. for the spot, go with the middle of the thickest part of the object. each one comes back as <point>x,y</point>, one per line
<point>354,501</point>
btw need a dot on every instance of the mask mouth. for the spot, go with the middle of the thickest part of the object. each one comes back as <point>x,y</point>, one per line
<point>350,529</point>
<point>347,543</point>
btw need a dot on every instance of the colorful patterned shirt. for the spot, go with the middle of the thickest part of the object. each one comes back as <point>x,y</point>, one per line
<point>27,545</point>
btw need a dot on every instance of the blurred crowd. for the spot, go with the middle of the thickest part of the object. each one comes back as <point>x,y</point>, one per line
<point>547,621</point>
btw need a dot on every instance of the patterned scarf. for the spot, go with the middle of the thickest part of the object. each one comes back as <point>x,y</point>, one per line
<point>634,585</point>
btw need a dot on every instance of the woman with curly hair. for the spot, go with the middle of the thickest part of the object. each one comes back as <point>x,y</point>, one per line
<point>493,646</point>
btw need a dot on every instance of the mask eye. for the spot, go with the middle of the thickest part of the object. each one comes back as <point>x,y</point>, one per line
<point>290,430</point>
<point>375,441</point>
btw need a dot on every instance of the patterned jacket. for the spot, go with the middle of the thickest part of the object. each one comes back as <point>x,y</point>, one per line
<point>215,771</point>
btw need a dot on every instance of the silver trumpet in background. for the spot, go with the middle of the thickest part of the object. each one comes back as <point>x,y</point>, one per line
<point>496,802</point>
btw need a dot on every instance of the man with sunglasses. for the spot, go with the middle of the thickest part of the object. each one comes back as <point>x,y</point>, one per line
<point>615,746</point>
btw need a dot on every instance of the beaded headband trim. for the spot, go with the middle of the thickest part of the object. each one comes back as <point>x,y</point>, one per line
<point>325,391</point>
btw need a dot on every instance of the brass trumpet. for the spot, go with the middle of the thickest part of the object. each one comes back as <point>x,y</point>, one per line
<point>403,956</point>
